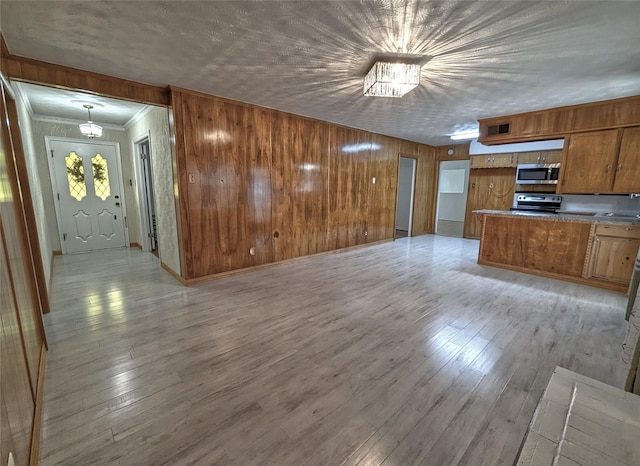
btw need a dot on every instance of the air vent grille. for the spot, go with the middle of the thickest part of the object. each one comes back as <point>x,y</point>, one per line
<point>496,130</point>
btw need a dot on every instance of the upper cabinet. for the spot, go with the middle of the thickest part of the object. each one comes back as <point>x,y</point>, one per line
<point>602,162</point>
<point>559,122</point>
<point>545,156</point>
<point>510,160</point>
<point>627,179</point>
<point>493,161</point>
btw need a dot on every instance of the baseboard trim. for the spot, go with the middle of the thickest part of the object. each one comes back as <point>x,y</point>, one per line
<point>37,415</point>
<point>206,278</point>
<point>135,245</point>
<point>173,273</point>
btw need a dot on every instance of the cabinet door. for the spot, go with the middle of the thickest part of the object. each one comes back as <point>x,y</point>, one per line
<point>488,189</point>
<point>480,161</point>
<point>502,160</point>
<point>613,258</point>
<point>529,157</point>
<point>589,165</point>
<point>553,156</point>
<point>627,178</point>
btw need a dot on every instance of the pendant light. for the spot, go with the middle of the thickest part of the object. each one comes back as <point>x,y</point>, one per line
<point>90,129</point>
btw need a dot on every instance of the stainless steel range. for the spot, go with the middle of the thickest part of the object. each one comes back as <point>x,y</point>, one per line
<point>537,202</point>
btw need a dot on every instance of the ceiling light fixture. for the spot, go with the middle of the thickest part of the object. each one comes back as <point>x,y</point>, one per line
<point>90,129</point>
<point>465,135</point>
<point>391,79</point>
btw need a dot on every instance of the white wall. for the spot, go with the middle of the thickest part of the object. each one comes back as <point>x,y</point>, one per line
<point>405,182</point>
<point>42,128</point>
<point>35,185</point>
<point>155,124</point>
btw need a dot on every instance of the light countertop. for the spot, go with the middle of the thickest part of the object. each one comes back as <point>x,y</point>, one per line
<point>577,217</point>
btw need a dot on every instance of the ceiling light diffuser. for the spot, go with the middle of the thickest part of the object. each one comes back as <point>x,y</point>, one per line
<point>465,135</point>
<point>90,129</point>
<point>391,79</point>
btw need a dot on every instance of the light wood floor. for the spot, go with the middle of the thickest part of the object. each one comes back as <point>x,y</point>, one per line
<point>397,354</point>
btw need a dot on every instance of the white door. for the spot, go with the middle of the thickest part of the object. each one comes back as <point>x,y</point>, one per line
<point>88,188</point>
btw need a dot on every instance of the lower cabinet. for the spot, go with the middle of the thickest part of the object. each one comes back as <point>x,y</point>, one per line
<point>592,253</point>
<point>612,253</point>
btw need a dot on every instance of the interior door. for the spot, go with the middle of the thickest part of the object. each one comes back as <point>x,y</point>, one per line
<point>87,179</point>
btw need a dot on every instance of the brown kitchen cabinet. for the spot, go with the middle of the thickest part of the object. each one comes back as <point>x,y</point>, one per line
<point>493,161</point>
<point>627,178</point>
<point>612,253</point>
<point>602,162</point>
<point>589,161</point>
<point>491,189</point>
<point>581,251</point>
<point>545,156</point>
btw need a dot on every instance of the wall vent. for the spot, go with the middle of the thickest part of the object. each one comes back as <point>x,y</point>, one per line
<point>496,130</point>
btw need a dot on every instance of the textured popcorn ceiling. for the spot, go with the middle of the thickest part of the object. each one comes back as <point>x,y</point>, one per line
<point>482,59</point>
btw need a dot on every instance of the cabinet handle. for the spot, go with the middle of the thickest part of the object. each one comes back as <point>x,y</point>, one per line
<point>607,169</point>
<point>619,168</point>
<point>488,159</point>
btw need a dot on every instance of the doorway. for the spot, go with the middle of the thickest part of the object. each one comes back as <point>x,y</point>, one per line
<point>88,194</point>
<point>453,181</point>
<point>149,231</point>
<point>404,202</point>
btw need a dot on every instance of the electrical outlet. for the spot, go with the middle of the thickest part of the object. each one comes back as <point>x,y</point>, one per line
<point>192,178</point>
<point>10,461</point>
<point>252,251</point>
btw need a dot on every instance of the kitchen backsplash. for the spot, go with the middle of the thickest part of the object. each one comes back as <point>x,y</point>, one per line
<point>600,203</point>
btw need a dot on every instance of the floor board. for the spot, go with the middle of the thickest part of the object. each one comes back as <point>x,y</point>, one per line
<point>401,353</point>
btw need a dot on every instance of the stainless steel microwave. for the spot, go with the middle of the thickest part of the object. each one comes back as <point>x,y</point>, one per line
<point>537,173</point>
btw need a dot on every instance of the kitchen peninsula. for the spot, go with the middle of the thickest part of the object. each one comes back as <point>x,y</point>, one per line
<point>589,249</point>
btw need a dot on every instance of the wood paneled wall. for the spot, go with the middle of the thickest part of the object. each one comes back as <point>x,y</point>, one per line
<point>490,188</point>
<point>22,330</point>
<point>283,186</point>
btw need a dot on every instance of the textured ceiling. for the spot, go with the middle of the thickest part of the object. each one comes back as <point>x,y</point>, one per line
<point>482,59</point>
<point>49,101</point>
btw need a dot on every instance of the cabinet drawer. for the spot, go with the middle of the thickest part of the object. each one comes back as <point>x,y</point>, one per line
<point>619,231</point>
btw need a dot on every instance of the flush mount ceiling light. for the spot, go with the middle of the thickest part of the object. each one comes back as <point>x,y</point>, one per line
<point>391,79</point>
<point>465,135</point>
<point>90,129</point>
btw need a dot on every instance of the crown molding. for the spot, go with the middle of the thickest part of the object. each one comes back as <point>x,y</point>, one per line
<point>139,115</point>
<point>23,97</point>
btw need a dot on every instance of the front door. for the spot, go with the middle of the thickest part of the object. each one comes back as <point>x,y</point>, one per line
<point>88,189</point>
